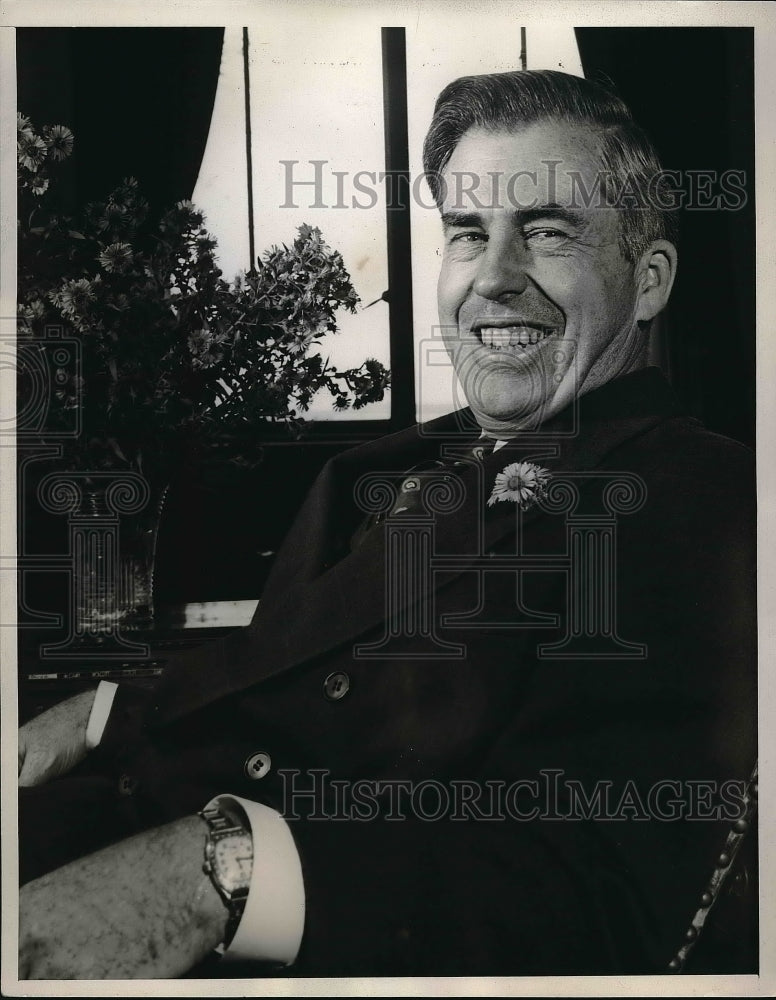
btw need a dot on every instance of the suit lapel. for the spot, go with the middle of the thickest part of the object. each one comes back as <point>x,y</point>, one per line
<point>321,531</point>
<point>312,607</point>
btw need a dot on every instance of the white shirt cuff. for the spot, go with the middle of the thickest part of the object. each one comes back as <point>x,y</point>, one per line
<point>272,923</point>
<point>98,717</point>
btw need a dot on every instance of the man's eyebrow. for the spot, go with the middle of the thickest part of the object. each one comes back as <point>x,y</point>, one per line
<point>549,211</point>
<point>522,216</point>
<point>461,219</point>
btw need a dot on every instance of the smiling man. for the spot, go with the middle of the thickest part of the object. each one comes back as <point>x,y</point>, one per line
<point>546,287</point>
<point>469,735</point>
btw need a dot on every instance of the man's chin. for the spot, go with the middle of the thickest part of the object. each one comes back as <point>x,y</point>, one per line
<point>517,405</point>
<point>523,402</point>
<point>502,420</point>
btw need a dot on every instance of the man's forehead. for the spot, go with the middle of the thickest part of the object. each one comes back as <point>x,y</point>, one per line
<point>550,137</point>
<point>546,163</point>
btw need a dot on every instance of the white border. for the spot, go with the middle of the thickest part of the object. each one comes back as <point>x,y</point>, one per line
<point>761,16</point>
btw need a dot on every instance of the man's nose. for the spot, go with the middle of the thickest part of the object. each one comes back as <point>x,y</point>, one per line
<point>502,269</point>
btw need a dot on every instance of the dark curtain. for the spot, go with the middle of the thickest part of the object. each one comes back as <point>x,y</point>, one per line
<point>139,101</point>
<point>692,89</point>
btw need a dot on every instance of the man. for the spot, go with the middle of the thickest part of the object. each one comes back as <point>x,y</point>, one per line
<point>509,729</point>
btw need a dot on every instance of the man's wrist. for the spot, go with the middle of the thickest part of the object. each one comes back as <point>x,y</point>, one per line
<point>209,913</point>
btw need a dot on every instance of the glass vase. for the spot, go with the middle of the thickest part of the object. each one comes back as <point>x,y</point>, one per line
<point>114,552</point>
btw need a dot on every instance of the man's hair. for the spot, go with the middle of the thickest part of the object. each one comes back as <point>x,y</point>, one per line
<point>511,101</point>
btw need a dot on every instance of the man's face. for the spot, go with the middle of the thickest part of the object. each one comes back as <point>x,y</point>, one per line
<point>536,300</point>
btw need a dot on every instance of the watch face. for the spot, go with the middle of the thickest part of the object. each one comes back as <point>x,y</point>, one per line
<point>233,861</point>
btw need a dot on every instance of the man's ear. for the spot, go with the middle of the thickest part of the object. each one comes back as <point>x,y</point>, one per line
<point>655,273</point>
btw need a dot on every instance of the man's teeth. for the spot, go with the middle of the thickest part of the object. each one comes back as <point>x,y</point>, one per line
<point>501,337</point>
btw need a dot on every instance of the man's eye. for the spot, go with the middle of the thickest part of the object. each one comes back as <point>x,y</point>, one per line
<point>545,234</point>
<point>468,238</point>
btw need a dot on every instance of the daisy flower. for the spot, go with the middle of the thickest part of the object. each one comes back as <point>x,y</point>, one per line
<point>190,212</point>
<point>31,150</point>
<point>74,296</point>
<point>116,257</point>
<point>524,483</point>
<point>60,142</point>
<point>201,345</point>
<point>301,344</point>
<point>115,214</point>
<point>32,310</point>
<point>206,244</point>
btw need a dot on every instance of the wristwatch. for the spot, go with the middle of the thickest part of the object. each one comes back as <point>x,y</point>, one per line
<point>228,862</point>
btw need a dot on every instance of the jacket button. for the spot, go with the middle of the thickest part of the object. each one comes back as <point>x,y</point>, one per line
<point>127,784</point>
<point>336,686</point>
<point>258,765</point>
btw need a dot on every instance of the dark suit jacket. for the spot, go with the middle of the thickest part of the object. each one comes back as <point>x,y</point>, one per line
<point>489,896</point>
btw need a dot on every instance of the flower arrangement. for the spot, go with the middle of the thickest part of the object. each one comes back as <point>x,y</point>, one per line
<point>171,353</point>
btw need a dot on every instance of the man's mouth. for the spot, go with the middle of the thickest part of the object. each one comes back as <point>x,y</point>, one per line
<point>517,337</point>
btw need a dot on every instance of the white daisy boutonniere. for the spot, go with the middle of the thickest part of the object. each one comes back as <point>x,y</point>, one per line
<point>524,483</point>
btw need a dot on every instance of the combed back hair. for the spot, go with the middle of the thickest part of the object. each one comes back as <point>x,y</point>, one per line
<point>511,101</point>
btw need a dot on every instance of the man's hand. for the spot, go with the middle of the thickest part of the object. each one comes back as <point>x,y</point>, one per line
<point>139,909</point>
<point>55,741</point>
